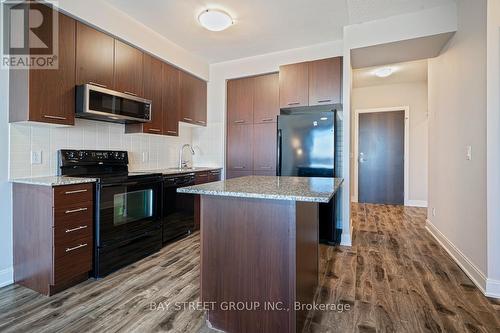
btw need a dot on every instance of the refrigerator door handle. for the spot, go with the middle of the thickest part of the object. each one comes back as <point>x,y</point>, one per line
<point>278,160</point>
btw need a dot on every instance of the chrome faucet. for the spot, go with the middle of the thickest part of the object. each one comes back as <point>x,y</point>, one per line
<point>183,164</point>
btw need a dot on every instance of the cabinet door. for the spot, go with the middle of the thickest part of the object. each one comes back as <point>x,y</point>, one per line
<point>52,91</point>
<point>294,85</point>
<point>264,147</point>
<point>325,78</point>
<point>266,106</point>
<point>239,147</point>
<point>171,99</point>
<point>94,56</point>
<point>193,100</point>
<point>153,90</point>
<point>201,178</point>
<point>240,101</point>
<point>128,76</point>
<point>214,176</point>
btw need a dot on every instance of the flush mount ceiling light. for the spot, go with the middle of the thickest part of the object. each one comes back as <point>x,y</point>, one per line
<point>383,72</point>
<point>215,20</point>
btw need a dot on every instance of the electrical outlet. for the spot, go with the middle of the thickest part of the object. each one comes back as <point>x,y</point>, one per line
<point>145,156</point>
<point>468,155</point>
<point>433,211</point>
<point>36,157</point>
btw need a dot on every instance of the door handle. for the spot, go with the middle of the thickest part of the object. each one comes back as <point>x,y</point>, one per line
<point>278,160</point>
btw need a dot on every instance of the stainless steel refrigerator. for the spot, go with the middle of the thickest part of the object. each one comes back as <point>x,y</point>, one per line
<point>306,148</point>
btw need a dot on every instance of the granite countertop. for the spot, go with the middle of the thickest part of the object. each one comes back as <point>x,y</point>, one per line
<point>177,171</point>
<point>310,189</point>
<point>53,181</point>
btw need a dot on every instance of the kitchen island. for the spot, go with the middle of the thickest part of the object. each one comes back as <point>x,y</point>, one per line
<point>259,250</point>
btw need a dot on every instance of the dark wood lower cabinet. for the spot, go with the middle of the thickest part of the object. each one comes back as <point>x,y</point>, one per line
<point>238,173</point>
<point>53,235</point>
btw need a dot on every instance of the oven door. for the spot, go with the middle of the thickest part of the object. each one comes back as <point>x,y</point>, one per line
<point>127,210</point>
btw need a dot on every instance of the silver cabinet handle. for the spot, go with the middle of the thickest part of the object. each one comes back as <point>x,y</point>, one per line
<point>201,122</point>
<point>172,132</point>
<point>325,101</point>
<point>76,229</point>
<point>69,249</point>
<point>238,167</point>
<point>130,93</point>
<point>55,117</point>
<point>268,119</point>
<point>239,121</point>
<point>266,167</point>
<point>188,119</point>
<point>294,103</point>
<point>154,130</point>
<point>215,172</point>
<point>76,210</point>
<point>75,192</point>
<point>98,84</point>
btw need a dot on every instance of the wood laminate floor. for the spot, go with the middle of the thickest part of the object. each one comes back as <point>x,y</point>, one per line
<point>395,278</point>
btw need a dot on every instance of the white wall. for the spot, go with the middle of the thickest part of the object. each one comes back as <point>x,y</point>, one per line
<point>457,118</point>
<point>102,15</point>
<point>414,95</point>
<point>160,151</point>
<point>493,146</point>
<point>5,187</point>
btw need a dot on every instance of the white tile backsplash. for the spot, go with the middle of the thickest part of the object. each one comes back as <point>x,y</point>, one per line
<point>162,151</point>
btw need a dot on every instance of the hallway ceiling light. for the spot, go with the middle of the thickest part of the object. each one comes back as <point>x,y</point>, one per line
<point>215,20</point>
<point>383,72</point>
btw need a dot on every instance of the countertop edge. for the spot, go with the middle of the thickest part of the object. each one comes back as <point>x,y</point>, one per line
<point>52,181</point>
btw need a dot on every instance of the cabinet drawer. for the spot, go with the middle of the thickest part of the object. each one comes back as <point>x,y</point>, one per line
<point>71,194</point>
<point>214,176</point>
<point>71,231</point>
<point>73,263</point>
<point>201,178</point>
<point>74,247</point>
<point>75,213</point>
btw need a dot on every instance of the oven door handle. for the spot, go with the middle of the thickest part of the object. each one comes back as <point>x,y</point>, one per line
<point>121,184</point>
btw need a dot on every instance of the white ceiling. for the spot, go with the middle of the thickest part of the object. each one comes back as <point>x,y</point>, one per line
<point>414,71</point>
<point>262,26</point>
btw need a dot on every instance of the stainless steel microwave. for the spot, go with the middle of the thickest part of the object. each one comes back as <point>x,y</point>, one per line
<point>98,103</point>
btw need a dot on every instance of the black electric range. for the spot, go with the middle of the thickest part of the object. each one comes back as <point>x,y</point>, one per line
<point>127,207</point>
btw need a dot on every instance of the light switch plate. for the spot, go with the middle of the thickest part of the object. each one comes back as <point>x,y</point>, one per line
<point>145,156</point>
<point>36,157</point>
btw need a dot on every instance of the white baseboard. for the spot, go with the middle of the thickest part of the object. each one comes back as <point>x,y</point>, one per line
<point>6,277</point>
<point>417,203</point>
<point>493,288</point>
<point>346,239</point>
<point>472,271</point>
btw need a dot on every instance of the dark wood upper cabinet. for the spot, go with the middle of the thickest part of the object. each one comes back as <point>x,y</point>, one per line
<point>294,85</point>
<point>266,107</point>
<point>128,74</point>
<point>153,90</point>
<point>239,148</point>
<point>94,56</point>
<point>240,101</point>
<point>47,95</point>
<point>193,100</point>
<point>325,81</point>
<point>171,99</point>
<point>264,147</point>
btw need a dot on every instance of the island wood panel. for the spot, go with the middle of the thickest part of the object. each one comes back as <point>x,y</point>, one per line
<point>258,250</point>
<point>325,81</point>
<point>128,74</point>
<point>94,56</point>
<point>266,101</point>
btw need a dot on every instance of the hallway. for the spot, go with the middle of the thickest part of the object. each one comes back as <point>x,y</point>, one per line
<point>398,279</point>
